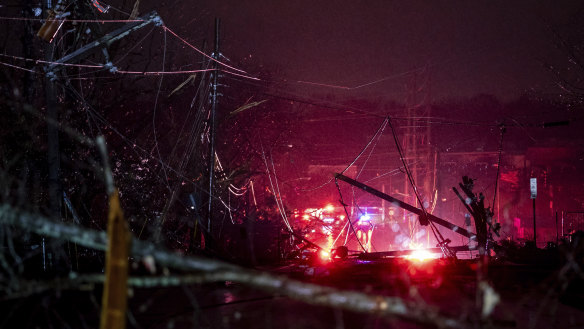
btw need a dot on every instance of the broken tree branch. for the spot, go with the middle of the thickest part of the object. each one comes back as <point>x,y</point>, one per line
<point>214,270</point>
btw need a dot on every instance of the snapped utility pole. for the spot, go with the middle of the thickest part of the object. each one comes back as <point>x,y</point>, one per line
<point>425,218</point>
<point>212,126</point>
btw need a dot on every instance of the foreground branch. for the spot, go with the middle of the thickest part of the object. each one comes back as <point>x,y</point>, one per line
<point>217,271</point>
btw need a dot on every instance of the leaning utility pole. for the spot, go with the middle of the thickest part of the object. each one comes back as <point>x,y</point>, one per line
<point>212,126</point>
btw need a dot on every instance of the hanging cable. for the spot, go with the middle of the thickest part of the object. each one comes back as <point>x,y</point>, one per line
<point>280,207</point>
<point>202,53</point>
<point>406,168</point>
<point>377,136</point>
<point>134,145</point>
<point>347,213</point>
<point>154,113</point>
<point>379,130</point>
<point>278,188</point>
<point>100,21</point>
<point>18,67</point>
<point>437,235</point>
<point>339,235</point>
<point>502,130</point>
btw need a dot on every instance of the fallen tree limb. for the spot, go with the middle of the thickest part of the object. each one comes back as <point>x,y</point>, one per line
<point>217,271</point>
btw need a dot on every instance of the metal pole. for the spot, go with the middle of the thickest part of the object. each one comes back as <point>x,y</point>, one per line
<point>557,234</point>
<point>53,153</point>
<point>534,230</point>
<point>562,224</point>
<point>212,126</point>
<point>383,205</point>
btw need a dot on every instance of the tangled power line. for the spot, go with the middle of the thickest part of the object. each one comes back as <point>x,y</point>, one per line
<point>234,73</point>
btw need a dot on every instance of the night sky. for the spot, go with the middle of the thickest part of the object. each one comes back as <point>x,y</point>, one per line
<point>470,47</point>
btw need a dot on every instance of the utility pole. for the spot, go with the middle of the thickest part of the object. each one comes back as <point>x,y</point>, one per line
<point>53,153</point>
<point>212,126</point>
<point>534,230</point>
<point>48,32</point>
<point>557,234</point>
<point>417,151</point>
<point>533,190</point>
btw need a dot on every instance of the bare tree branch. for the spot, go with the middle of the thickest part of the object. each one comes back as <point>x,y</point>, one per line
<point>214,270</point>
